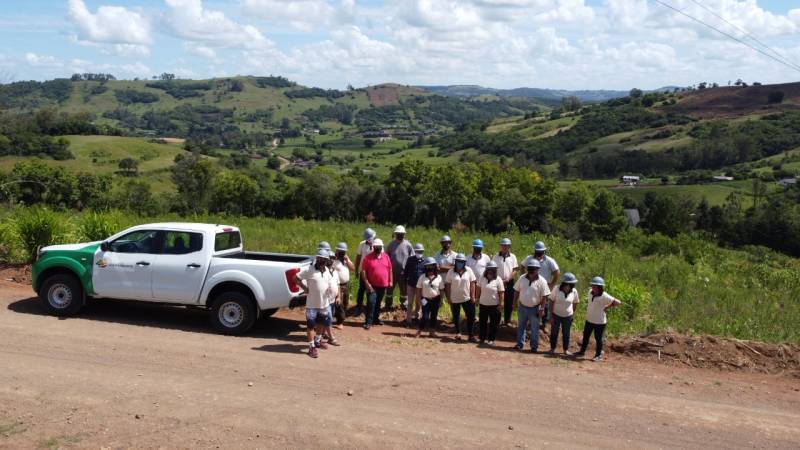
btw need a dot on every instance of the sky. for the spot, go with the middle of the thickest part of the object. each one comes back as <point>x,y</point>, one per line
<point>559,44</point>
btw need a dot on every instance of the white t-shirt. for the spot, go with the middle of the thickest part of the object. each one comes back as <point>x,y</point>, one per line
<point>342,270</point>
<point>478,265</point>
<point>548,267</point>
<point>364,249</point>
<point>318,283</point>
<point>531,293</point>
<point>505,266</point>
<point>490,291</point>
<point>430,287</point>
<point>459,284</point>
<point>333,289</point>
<point>563,303</point>
<point>595,309</point>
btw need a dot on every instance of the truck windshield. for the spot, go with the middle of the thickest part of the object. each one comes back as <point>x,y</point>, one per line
<point>227,240</point>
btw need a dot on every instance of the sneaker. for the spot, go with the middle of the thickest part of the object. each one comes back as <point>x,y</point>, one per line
<point>518,347</point>
<point>579,354</point>
<point>312,352</point>
<point>552,352</point>
<point>379,322</point>
<point>334,342</point>
<point>338,326</point>
<point>568,353</point>
<point>535,351</point>
<point>473,339</point>
<point>458,337</point>
<point>367,326</point>
<point>490,343</point>
<point>322,345</point>
<point>597,358</point>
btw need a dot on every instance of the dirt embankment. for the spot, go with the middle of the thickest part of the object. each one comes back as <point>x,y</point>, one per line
<point>713,352</point>
<point>735,101</point>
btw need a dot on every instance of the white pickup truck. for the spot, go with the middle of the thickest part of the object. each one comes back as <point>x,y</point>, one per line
<point>172,263</point>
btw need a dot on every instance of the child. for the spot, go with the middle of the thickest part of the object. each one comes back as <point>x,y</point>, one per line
<point>598,303</point>
<point>429,289</point>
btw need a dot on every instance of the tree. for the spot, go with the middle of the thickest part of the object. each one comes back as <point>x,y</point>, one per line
<point>234,193</point>
<point>192,176</point>
<point>135,196</point>
<point>635,93</point>
<point>274,163</point>
<point>128,166</point>
<point>605,217</point>
<point>571,103</point>
<point>167,76</point>
<point>369,143</point>
<point>775,97</point>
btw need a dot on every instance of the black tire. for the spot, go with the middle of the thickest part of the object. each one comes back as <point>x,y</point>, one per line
<point>268,312</point>
<point>233,313</point>
<point>61,294</point>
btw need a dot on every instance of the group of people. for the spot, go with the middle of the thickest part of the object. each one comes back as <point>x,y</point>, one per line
<point>541,295</point>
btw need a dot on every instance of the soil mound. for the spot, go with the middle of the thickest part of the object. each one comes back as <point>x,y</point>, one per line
<point>713,352</point>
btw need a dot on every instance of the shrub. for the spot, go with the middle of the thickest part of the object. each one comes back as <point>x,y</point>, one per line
<point>95,226</point>
<point>37,227</point>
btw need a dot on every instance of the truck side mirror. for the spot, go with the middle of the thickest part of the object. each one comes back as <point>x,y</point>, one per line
<point>104,246</point>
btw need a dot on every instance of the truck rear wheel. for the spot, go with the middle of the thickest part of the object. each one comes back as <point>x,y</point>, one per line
<point>233,313</point>
<point>61,294</point>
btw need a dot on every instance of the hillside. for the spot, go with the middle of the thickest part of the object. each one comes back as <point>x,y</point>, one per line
<point>548,96</point>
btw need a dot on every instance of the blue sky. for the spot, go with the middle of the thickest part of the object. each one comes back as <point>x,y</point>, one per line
<point>572,44</point>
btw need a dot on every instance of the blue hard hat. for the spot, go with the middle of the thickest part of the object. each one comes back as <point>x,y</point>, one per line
<point>569,278</point>
<point>598,281</point>
<point>477,243</point>
<point>369,233</point>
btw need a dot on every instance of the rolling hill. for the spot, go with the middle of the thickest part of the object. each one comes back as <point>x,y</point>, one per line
<point>548,96</point>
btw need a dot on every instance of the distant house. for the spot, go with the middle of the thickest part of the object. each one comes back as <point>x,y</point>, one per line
<point>786,182</point>
<point>633,217</point>
<point>630,180</point>
<point>722,178</point>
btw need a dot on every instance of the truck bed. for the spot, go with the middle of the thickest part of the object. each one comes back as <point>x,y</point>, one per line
<point>265,256</point>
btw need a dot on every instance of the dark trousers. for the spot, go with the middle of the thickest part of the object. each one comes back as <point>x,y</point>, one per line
<point>373,311</point>
<point>598,330</point>
<point>508,305</point>
<point>546,316</point>
<point>362,291</point>
<point>565,323</point>
<point>344,300</point>
<point>430,313</point>
<point>469,312</point>
<point>490,314</point>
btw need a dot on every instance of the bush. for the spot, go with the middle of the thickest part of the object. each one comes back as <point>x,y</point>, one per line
<point>38,227</point>
<point>97,226</point>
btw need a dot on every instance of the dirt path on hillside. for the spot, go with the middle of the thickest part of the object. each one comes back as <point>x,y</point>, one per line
<point>131,375</point>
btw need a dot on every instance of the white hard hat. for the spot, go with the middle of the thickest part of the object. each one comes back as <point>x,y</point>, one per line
<point>400,229</point>
<point>377,242</point>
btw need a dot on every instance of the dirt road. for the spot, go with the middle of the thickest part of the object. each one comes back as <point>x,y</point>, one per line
<point>125,375</point>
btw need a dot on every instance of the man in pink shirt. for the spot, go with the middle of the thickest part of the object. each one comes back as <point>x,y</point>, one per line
<point>376,274</point>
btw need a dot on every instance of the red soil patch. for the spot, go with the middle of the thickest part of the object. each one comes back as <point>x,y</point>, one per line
<point>736,101</point>
<point>390,94</point>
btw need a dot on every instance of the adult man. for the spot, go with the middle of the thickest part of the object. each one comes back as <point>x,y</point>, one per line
<point>506,271</point>
<point>376,274</point>
<point>399,251</point>
<point>364,249</point>
<point>460,290</point>
<point>413,269</point>
<point>530,292</point>
<point>477,260</point>
<point>342,266</point>
<point>549,271</point>
<point>316,283</point>
<point>445,257</point>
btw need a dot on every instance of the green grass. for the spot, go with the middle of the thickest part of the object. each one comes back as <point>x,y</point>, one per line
<point>684,284</point>
<point>101,154</point>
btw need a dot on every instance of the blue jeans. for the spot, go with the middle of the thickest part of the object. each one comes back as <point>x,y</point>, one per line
<point>374,299</point>
<point>526,315</point>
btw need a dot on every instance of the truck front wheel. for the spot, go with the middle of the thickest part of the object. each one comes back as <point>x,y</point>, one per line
<point>61,294</point>
<point>233,313</point>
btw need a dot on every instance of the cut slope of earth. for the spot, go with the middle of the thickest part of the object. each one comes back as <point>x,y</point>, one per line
<point>736,101</point>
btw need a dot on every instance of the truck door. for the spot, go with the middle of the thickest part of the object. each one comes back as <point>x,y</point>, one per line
<point>125,269</point>
<point>180,268</point>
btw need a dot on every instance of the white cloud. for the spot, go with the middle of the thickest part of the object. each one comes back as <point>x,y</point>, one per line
<point>200,50</point>
<point>188,19</point>
<point>110,25</point>
<point>305,15</point>
<point>43,61</point>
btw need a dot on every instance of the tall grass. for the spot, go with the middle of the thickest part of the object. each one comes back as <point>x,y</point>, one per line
<point>684,284</point>
<point>37,227</point>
